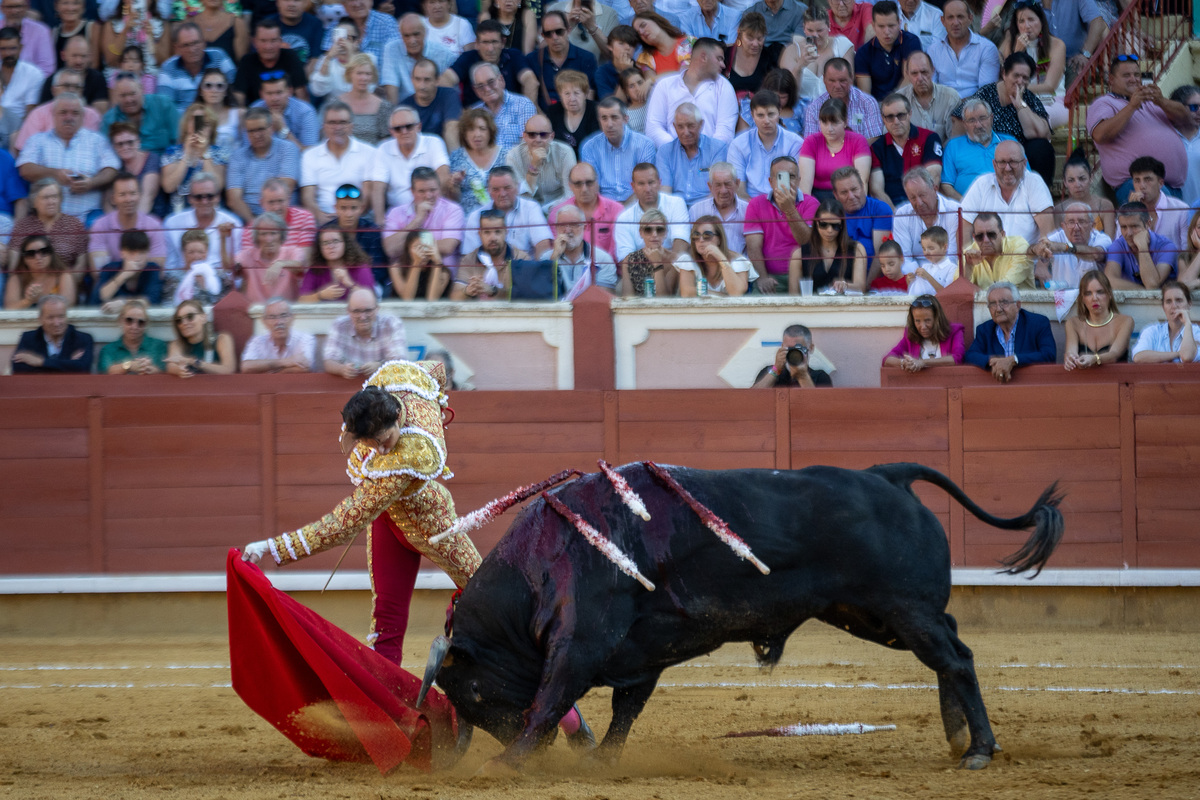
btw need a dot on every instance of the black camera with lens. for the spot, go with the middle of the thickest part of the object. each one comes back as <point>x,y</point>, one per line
<point>797,355</point>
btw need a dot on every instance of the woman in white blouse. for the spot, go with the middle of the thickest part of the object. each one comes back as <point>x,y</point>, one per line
<point>710,258</point>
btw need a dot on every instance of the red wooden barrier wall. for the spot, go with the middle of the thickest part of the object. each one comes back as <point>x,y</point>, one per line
<point>125,475</point>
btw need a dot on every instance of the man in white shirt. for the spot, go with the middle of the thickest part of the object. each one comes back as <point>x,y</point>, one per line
<point>527,228</point>
<point>647,196</point>
<point>281,349</point>
<point>703,84</point>
<point>1014,192</point>
<point>22,81</point>
<point>339,159</point>
<point>723,201</point>
<point>924,209</point>
<point>405,151</point>
<point>922,20</point>
<point>577,259</point>
<point>1073,249</point>
<point>204,213</point>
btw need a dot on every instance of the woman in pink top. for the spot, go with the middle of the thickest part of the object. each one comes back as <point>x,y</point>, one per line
<point>834,147</point>
<point>852,20</point>
<point>338,265</point>
<point>269,268</point>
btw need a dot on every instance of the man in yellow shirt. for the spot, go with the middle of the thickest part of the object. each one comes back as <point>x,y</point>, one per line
<point>995,257</point>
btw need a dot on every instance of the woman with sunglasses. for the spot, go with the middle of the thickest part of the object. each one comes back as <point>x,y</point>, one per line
<point>651,261</point>
<point>1029,32</point>
<point>930,339</point>
<point>134,353</point>
<point>833,147</point>
<point>198,153</point>
<point>46,219</point>
<point>197,349</point>
<point>709,257</point>
<point>126,142</point>
<point>215,95</point>
<point>1097,333</point>
<point>39,273</point>
<point>338,265</point>
<point>831,259</point>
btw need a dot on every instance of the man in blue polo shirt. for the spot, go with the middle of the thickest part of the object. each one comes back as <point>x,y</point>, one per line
<point>903,147</point>
<point>683,162</point>
<point>179,76</point>
<point>879,63</point>
<point>965,158</point>
<point>1139,258</point>
<point>868,221</point>
<point>489,47</point>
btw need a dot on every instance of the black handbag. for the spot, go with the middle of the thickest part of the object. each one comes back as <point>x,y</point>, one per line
<point>533,280</point>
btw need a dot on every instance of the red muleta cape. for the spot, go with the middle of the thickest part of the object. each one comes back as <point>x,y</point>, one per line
<point>333,696</point>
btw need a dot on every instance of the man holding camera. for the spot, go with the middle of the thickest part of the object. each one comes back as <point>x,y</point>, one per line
<point>791,367</point>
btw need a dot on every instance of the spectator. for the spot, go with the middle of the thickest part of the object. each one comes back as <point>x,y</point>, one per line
<point>215,95</point>
<point>488,272</point>
<point>755,149</point>
<point>889,270</point>
<point>204,213</point>
<point>963,60</point>
<point>556,54</point>
<point>400,57</point>
<point>723,203</point>
<point>903,147</point>
<point>1075,248</point>
<point>41,119</point>
<point>924,209</point>
<point>54,346</point>
<point>408,149</point>
<point>180,75</point>
<point>369,112</point>
<point>1029,32</point>
<point>574,116</point>
<point>700,84</point>
<point>69,25</point>
<point>782,17</point>
<point>134,353</point>
<point>197,349</point>
<point>749,59</point>
<point>510,111</point>
<point>819,47</point>
<point>647,191</point>
<point>338,265</point>
<point>291,118</point>
<point>526,224</point>
<point>1169,215</point>
<point>281,349</point>
<point>450,31</point>
<point>77,157</point>
<point>710,262</point>
<point>200,278</point>
<point>862,115</point>
<point>635,88</point>
<point>665,49</point>
<point>578,264</point>
<point>429,211</point>
<point>776,224</point>
<point>374,29</point>
<point>1189,130</point>
<point>1020,197</point>
<point>363,340</point>
<point>338,160</point>
<point>868,220</point>
<point>301,31</point>
<point>1013,337</point>
<point>222,28</point>
<point>269,57</point>
<point>941,271</point>
<point>13,188</point>
<point>790,118</point>
<point>685,161</point>
<point>879,62</point>
<point>105,238</point>
<point>931,103</point>
<point>348,206</point>
<point>490,48</point>
<point>590,24</point>
<point>438,107</point>
<point>636,7</point>
<point>599,212</point>
<point>653,261</point>
<point>1082,28</point>
<point>995,257</point>
<point>139,25</point>
<point>710,19</point>
<point>793,366</point>
<point>47,219</point>
<point>39,273</point>
<point>252,164</point>
<point>37,47</point>
<point>300,226</point>
<point>1077,185</point>
<point>267,267</point>
<point>471,163</point>
<point>1189,260</point>
<point>155,116</point>
<point>1175,340</point>
<point>831,259</point>
<point>848,20</point>
<point>930,339</point>
<point>1132,120</point>
<point>544,163</point>
<point>1097,333</point>
<point>419,270</point>
<point>965,158</point>
<point>829,149</point>
<point>615,150</point>
<point>198,153</point>
<point>21,80</point>
<point>623,44</point>
<point>1139,258</point>
<point>922,20</point>
<point>133,276</point>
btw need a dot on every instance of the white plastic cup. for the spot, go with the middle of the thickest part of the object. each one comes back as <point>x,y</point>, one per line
<point>806,287</point>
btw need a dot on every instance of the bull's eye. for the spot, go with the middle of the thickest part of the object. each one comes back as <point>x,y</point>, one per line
<point>475,692</point>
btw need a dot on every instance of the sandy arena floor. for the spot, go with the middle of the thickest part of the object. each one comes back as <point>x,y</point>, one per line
<point>1100,714</point>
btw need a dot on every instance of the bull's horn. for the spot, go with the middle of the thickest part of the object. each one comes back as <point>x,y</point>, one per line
<point>437,654</point>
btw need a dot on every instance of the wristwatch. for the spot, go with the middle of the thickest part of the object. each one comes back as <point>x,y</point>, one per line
<point>128,365</point>
<point>1071,249</point>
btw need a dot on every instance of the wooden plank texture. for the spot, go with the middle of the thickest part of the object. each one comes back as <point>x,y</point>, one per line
<point>190,501</point>
<point>1159,399</point>
<point>1057,433</point>
<point>686,435</point>
<point>1167,525</point>
<point>867,434</point>
<point>180,440</point>
<point>140,412</point>
<point>43,412</point>
<point>699,405</point>
<point>21,443</point>
<point>852,405</point>
<point>1027,402</point>
<point>205,469</point>
<point>219,529</point>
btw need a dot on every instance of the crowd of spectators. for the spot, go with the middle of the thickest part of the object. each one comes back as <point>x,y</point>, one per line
<point>156,152</point>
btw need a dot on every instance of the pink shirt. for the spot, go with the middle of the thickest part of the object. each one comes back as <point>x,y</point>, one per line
<point>36,46</point>
<point>814,147</point>
<point>859,20</point>
<point>445,221</point>
<point>602,231</point>
<point>254,271</point>
<point>763,217</point>
<point>106,236</point>
<point>1148,131</point>
<point>301,229</point>
<point>41,119</point>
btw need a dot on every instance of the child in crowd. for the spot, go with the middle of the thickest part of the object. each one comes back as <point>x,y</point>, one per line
<point>134,60</point>
<point>940,271</point>
<point>131,277</point>
<point>200,279</point>
<point>891,278</point>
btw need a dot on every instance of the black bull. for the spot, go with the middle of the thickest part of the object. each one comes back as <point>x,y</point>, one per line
<point>547,617</point>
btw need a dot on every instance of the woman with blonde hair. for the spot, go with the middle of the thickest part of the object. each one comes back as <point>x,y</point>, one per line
<point>134,353</point>
<point>197,153</point>
<point>370,115</point>
<point>470,164</point>
<point>710,260</point>
<point>197,349</point>
<point>1097,333</point>
<point>650,261</point>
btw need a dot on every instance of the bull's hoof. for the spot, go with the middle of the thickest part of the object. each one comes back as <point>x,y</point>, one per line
<point>977,761</point>
<point>497,768</point>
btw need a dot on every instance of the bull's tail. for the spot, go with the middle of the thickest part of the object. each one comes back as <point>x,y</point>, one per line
<point>1044,517</point>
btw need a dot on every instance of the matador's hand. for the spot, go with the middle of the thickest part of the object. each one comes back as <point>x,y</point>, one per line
<point>254,551</point>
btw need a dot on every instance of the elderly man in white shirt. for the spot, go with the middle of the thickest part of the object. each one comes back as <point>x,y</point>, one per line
<point>702,84</point>
<point>646,195</point>
<point>1070,251</point>
<point>405,151</point>
<point>724,202</point>
<point>922,20</point>
<point>579,264</point>
<point>1016,193</point>
<point>527,227</point>
<point>924,209</point>
<point>338,160</point>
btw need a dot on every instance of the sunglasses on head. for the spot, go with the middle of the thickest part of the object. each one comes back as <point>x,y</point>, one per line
<point>1127,57</point>
<point>345,192</point>
<point>134,321</point>
<point>37,251</point>
<point>924,301</point>
<point>273,75</point>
